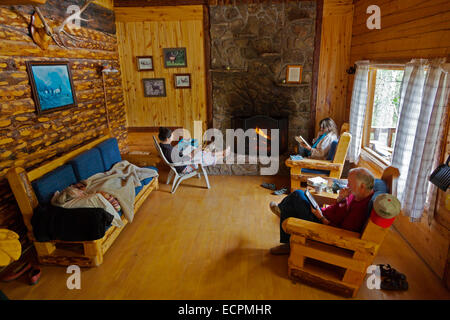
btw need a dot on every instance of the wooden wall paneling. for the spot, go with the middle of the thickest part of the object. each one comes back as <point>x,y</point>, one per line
<point>165,73</point>
<point>334,60</point>
<point>409,29</point>
<point>183,103</point>
<point>180,107</point>
<point>148,51</point>
<point>163,13</point>
<point>158,60</point>
<point>138,50</point>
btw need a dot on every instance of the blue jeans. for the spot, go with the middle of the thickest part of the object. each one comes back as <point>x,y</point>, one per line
<point>295,205</point>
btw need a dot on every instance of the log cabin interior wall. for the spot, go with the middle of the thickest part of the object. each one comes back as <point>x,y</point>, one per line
<point>27,139</point>
<point>410,29</point>
<point>145,31</point>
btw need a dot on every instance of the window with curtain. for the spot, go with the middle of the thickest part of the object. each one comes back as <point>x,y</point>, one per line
<point>396,114</point>
<point>383,110</point>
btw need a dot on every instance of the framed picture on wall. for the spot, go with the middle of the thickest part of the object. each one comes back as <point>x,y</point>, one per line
<point>174,57</point>
<point>294,74</point>
<point>155,87</point>
<point>51,85</point>
<point>144,63</point>
<point>182,80</point>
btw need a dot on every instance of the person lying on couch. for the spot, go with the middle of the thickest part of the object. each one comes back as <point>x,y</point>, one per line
<point>349,212</point>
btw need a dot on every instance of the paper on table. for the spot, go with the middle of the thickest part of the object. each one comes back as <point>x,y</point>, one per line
<point>316,181</point>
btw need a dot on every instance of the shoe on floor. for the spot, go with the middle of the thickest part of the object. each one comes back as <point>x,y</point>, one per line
<point>282,249</point>
<point>34,275</point>
<point>270,186</point>
<point>275,208</point>
<point>280,192</point>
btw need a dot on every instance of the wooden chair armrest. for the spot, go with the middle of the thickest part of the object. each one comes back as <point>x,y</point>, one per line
<point>314,164</point>
<point>329,235</point>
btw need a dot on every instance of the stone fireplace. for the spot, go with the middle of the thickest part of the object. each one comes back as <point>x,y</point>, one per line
<point>251,46</point>
<point>262,126</point>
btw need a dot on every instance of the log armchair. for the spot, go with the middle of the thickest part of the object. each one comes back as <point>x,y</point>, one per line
<point>301,170</point>
<point>332,258</point>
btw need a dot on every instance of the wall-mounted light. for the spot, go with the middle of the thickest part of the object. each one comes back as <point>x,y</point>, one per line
<point>441,176</point>
<point>107,69</point>
<point>351,70</point>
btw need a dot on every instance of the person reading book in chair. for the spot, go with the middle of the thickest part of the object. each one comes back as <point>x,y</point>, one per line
<point>321,145</point>
<point>349,212</point>
<point>205,156</point>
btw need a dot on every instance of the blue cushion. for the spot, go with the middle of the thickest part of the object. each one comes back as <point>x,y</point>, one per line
<point>332,150</point>
<point>56,180</point>
<point>379,187</point>
<point>109,150</point>
<point>327,172</point>
<point>87,164</point>
<point>330,157</point>
<point>144,182</point>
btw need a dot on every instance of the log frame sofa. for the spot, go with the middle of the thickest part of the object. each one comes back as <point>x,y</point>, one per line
<point>81,253</point>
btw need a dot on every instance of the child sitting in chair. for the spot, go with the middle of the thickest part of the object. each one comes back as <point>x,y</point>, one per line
<point>205,156</point>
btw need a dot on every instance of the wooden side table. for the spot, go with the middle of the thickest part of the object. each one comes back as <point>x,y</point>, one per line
<point>324,197</point>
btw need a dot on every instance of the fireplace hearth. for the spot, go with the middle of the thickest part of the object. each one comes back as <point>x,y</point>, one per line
<point>262,135</point>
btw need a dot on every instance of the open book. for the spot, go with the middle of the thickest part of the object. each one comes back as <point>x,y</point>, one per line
<point>300,139</point>
<point>311,200</point>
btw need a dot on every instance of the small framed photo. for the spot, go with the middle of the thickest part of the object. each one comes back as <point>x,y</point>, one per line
<point>294,74</point>
<point>144,63</point>
<point>182,80</point>
<point>174,57</point>
<point>155,87</point>
<point>51,85</point>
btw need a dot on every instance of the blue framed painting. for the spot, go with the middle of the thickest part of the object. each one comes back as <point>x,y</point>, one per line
<point>51,85</point>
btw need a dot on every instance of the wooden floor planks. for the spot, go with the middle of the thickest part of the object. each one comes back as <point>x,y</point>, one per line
<point>210,244</point>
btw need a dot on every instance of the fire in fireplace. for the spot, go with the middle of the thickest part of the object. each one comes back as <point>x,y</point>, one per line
<point>262,126</point>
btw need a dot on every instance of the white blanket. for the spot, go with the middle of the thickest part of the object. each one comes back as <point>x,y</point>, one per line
<point>120,182</point>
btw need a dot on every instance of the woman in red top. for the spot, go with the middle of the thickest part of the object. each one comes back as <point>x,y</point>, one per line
<point>349,212</point>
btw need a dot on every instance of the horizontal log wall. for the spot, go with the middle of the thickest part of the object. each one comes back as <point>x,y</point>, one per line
<point>409,29</point>
<point>145,32</point>
<point>28,139</point>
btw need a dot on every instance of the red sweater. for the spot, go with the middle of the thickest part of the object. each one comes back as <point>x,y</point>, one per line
<point>348,214</point>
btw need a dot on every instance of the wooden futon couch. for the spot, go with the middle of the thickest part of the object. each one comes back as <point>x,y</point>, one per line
<point>39,185</point>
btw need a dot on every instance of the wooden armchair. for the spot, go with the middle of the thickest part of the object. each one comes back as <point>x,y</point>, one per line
<point>328,168</point>
<point>332,258</point>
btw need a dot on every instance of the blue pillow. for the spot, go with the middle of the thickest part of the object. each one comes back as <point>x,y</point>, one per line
<point>332,150</point>
<point>379,187</point>
<point>87,164</point>
<point>56,180</point>
<point>109,150</point>
<point>330,157</point>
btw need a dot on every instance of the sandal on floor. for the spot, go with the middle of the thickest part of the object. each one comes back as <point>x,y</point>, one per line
<point>270,186</point>
<point>279,192</point>
<point>34,275</point>
<point>394,284</point>
<point>388,271</point>
<point>16,273</point>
